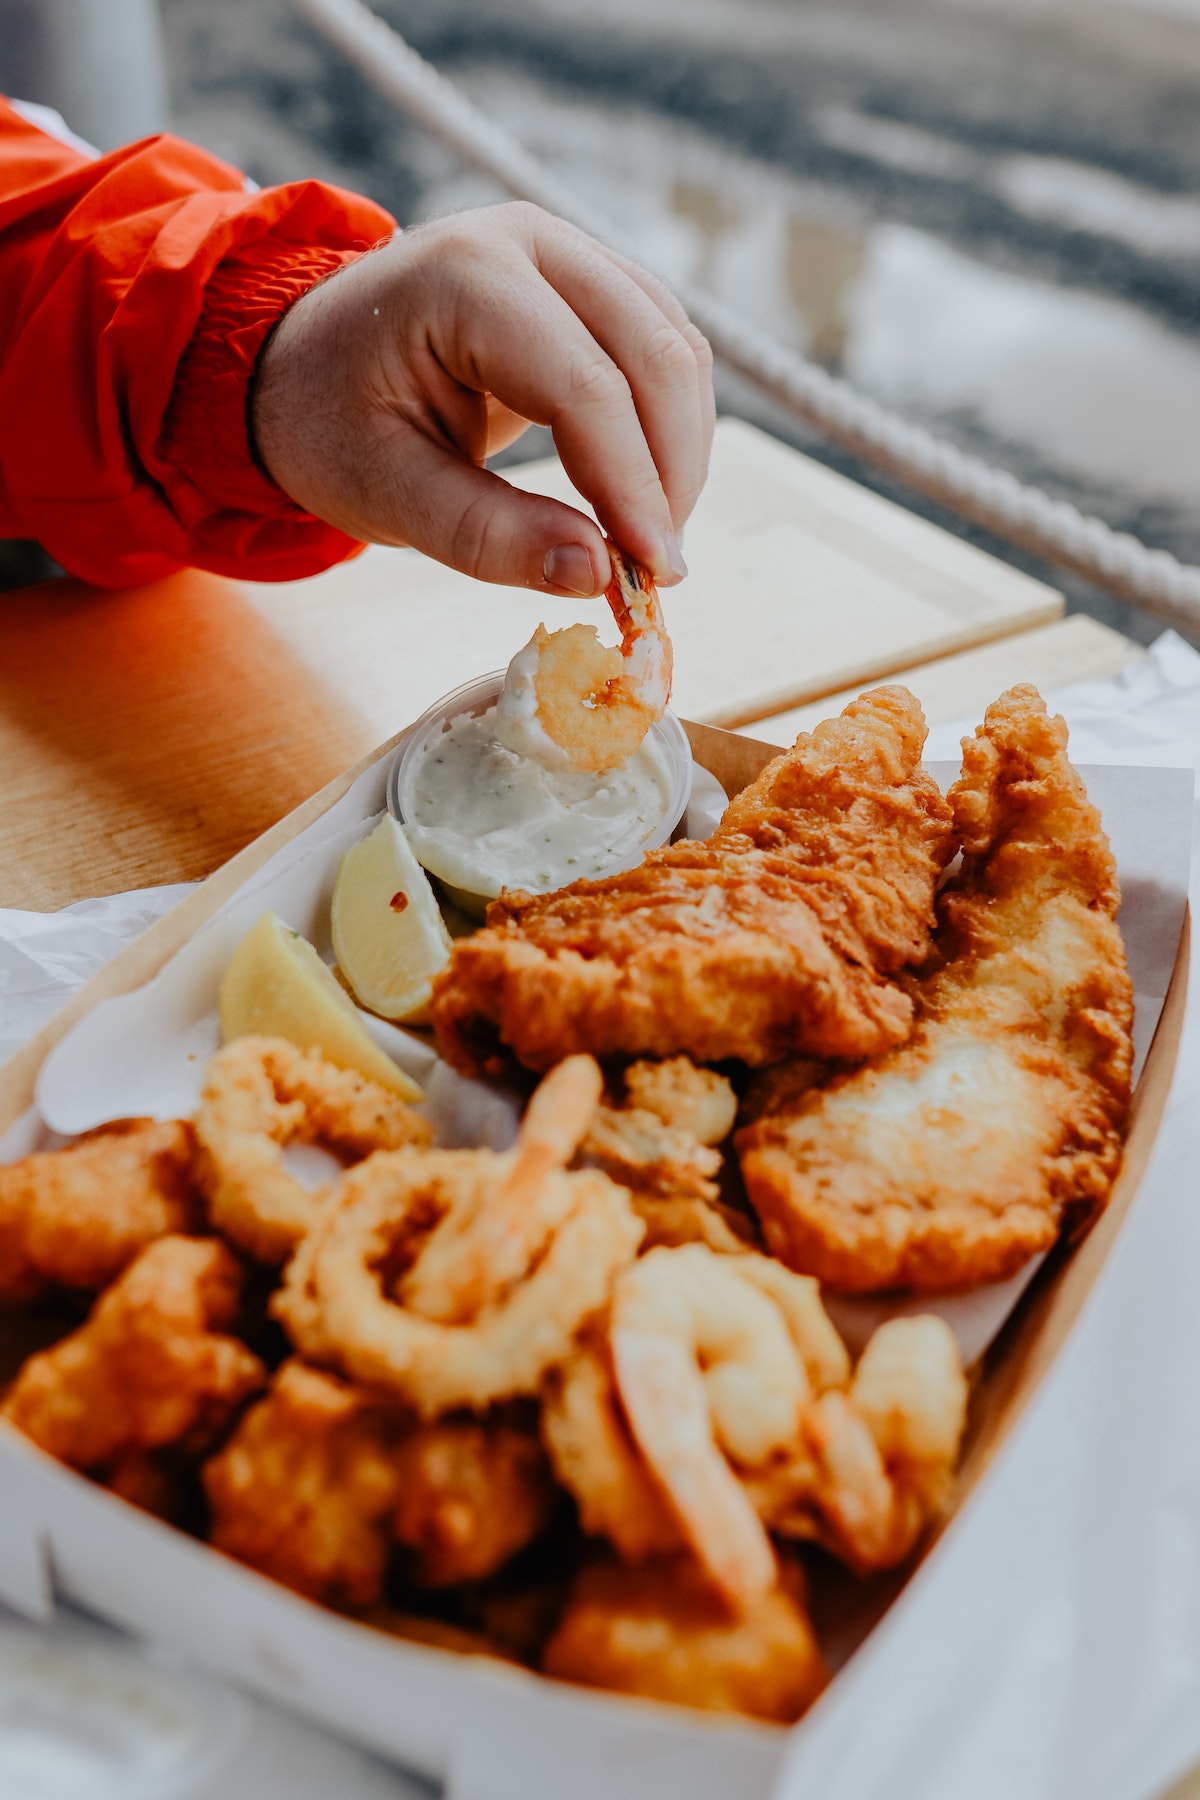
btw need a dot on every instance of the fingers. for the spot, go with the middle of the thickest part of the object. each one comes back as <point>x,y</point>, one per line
<point>473,521</point>
<point>561,332</point>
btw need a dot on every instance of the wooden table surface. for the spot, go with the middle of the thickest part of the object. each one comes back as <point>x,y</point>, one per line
<point>147,735</point>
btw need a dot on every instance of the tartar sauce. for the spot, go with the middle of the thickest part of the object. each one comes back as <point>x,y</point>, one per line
<point>481,816</point>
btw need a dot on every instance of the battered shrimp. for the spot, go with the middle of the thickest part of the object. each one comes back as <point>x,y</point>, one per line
<point>708,1372</point>
<point>468,1263</point>
<point>593,702</point>
<point>873,1466</point>
<point>909,1398</point>
<point>597,1461</point>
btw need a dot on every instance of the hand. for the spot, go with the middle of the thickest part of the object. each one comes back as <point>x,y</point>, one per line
<point>382,392</point>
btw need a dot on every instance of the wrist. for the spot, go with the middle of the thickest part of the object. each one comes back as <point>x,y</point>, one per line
<point>208,432</point>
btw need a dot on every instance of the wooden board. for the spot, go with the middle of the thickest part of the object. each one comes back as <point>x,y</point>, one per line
<point>962,686</point>
<point>801,584</point>
<point>146,736</point>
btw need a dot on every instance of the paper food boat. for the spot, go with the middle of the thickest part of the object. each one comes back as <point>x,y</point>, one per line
<point>135,1040</point>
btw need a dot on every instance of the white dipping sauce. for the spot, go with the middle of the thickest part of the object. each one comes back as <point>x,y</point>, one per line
<point>481,816</point>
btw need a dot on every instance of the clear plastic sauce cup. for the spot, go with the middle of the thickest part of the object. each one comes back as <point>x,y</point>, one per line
<point>474,698</point>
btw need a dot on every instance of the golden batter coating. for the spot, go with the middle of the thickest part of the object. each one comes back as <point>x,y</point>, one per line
<point>471,1496</point>
<point>305,1488</point>
<point>663,1632</point>
<point>152,1366</point>
<point>779,936</point>
<point>959,1155</point>
<point>75,1218</point>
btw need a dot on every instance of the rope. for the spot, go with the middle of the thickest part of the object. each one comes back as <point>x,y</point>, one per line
<point>1053,529</point>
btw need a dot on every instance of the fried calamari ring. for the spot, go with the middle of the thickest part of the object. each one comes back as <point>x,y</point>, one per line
<point>262,1093</point>
<point>337,1305</point>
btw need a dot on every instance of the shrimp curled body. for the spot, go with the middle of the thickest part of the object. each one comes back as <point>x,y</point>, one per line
<point>596,703</point>
<point>457,1278</point>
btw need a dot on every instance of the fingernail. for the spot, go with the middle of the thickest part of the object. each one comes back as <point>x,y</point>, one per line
<point>569,567</point>
<point>674,551</point>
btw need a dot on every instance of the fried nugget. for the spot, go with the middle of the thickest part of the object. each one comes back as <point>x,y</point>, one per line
<point>663,1632</point>
<point>75,1218</point>
<point>660,1144</point>
<point>305,1489</point>
<point>955,1158</point>
<point>471,1496</point>
<point>780,936</point>
<point>150,1367</point>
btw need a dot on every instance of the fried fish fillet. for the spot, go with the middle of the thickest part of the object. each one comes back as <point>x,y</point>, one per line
<point>956,1157</point>
<point>778,936</point>
<point>152,1366</point>
<point>76,1217</point>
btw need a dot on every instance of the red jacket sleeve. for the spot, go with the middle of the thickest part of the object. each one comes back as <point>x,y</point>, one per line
<point>136,290</point>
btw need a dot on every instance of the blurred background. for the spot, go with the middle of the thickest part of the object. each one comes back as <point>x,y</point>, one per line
<point>985,213</point>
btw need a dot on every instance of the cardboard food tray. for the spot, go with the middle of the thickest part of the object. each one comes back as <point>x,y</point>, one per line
<point>490,1731</point>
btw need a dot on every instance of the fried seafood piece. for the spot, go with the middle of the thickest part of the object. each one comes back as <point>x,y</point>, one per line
<point>471,1496</point>
<point>458,1278</point>
<point>715,1359</point>
<point>737,1395</point>
<point>321,1478</point>
<point>683,1220</point>
<point>305,1489</point>
<point>597,1461</point>
<point>777,937</point>
<point>595,704</point>
<point>958,1156</point>
<point>663,1631</point>
<point>152,1366</point>
<point>262,1093</point>
<point>659,1142</point>
<point>76,1217</point>
<point>874,1467</point>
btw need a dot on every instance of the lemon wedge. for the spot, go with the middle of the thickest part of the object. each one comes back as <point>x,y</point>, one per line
<point>388,930</point>
<point>277,985</point>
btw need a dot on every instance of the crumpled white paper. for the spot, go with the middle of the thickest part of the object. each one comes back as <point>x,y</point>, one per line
<point>45,957</point>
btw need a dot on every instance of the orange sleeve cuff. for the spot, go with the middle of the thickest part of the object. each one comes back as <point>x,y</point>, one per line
<point>207,439</point>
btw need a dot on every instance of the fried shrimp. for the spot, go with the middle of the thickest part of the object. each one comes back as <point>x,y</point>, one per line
<point>594,703</point>
<point>471,1495</point>
<point>874,1465</point>
<point>152,1365</point>
<point>707,1373</point>
<point>305,1488</point>
<point>262,1093</point>
<point>76,1217</point>
<point>479,1252</point>
<point>662,1631</point>
<point>345,1298</point>
<point>730,1374</point>
<point>597,1461</point>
